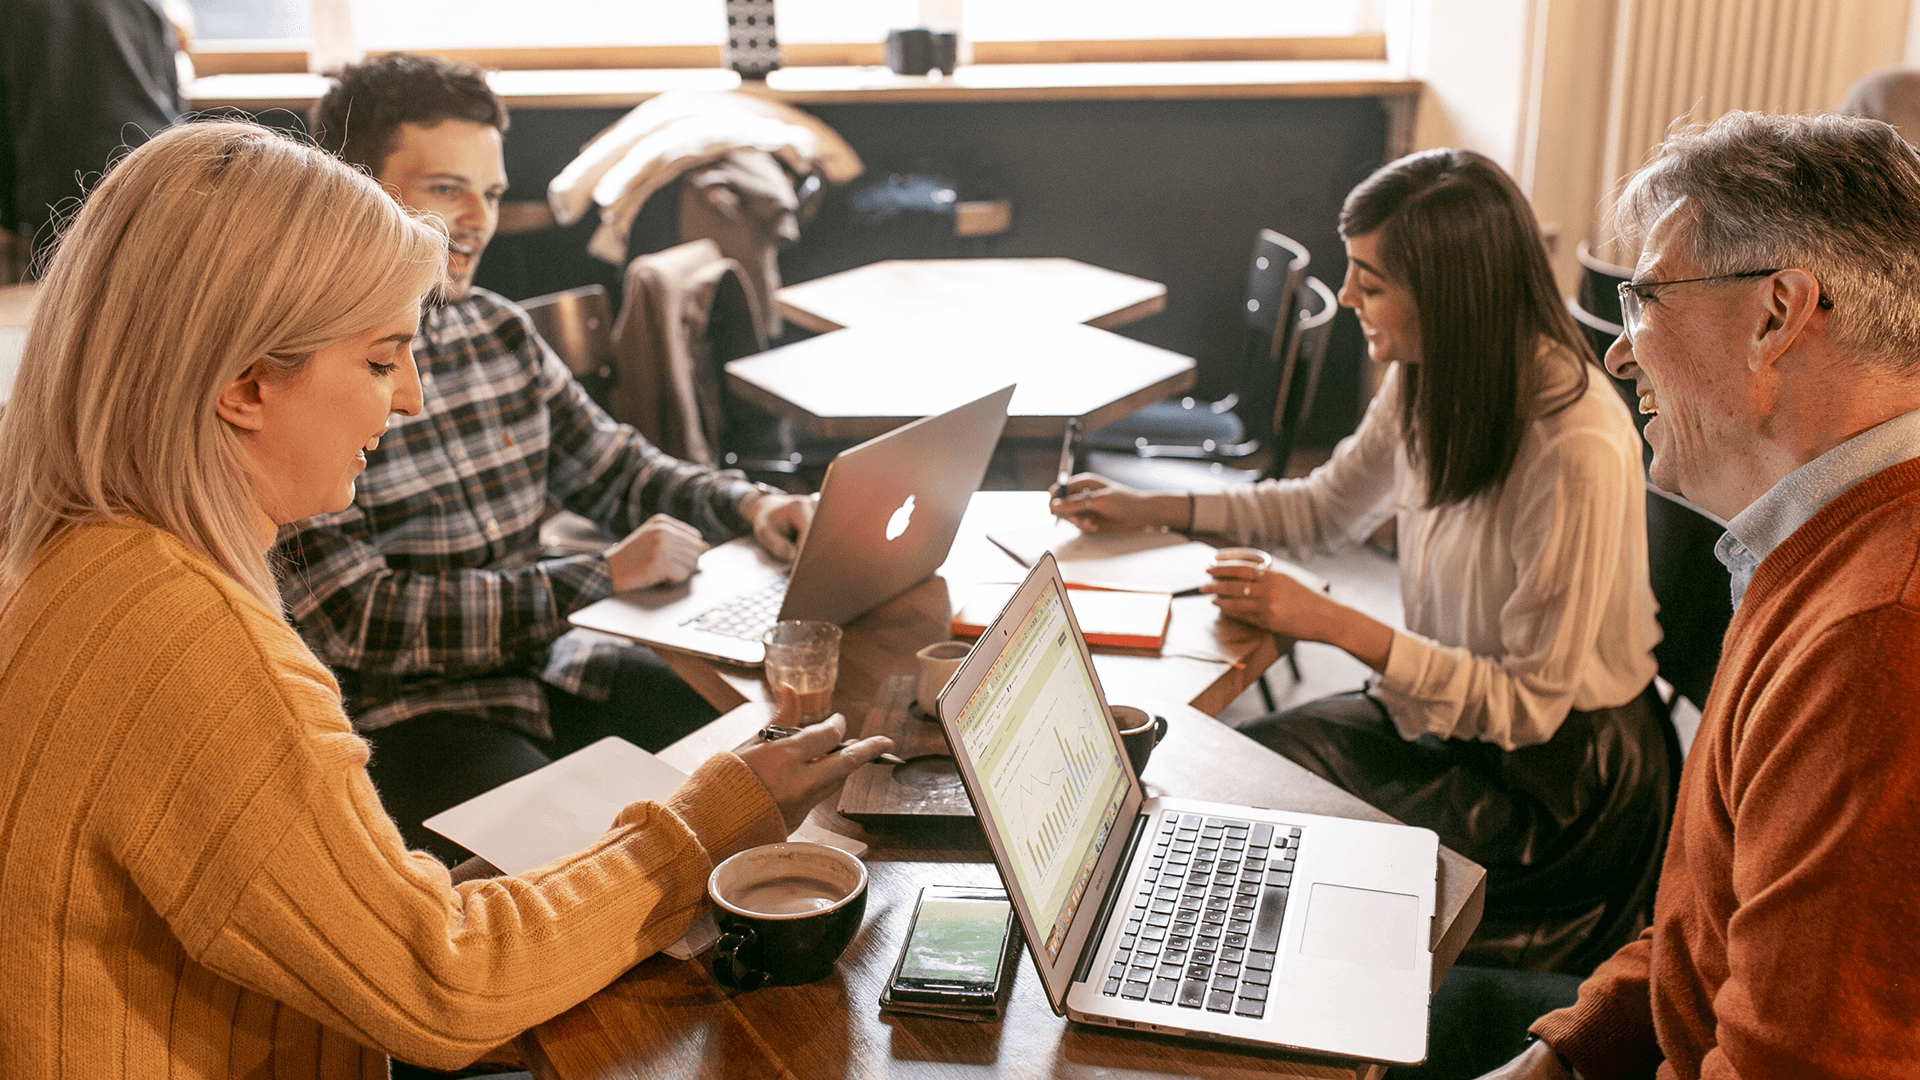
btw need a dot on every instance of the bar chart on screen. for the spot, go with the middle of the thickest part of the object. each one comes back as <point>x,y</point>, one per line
<point>1048,796</point>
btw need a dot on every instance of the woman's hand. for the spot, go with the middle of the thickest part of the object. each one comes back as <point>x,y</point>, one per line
<point>1278,602</point>
<point>801,770</point>
<point>1097,504</point>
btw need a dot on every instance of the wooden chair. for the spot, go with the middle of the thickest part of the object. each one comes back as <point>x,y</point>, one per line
<point>1315,308</point>
<point>578,323</point>
<point>1239,424</point>
<point>1312,333</point>
<point>1693,589</point>
<point>1599,283</point>
<point>1170,468</point>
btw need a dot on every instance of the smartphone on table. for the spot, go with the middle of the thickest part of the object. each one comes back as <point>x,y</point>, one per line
<point>959,954</point>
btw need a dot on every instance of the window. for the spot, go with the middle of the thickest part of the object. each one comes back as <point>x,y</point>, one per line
<point>252,20</point>
<point>683,32</point>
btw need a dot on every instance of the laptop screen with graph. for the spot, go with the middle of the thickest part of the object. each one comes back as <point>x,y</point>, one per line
<point>1038,737</point>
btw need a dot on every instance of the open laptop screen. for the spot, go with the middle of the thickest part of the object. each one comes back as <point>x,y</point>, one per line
<point>1053,777</point>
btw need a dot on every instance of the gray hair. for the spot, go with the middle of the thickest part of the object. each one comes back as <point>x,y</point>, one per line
<point>1838,196</point>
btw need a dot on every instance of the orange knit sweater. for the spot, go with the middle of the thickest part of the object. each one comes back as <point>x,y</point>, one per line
<point>1786,936</point>
<point>199,881</point>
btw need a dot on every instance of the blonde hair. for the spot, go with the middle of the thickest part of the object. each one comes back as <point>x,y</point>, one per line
<point>211,247</point>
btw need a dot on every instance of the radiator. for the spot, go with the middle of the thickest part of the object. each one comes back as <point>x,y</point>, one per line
<point>1695,60</point>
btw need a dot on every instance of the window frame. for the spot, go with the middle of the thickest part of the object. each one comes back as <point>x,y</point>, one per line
<point>279,56</point>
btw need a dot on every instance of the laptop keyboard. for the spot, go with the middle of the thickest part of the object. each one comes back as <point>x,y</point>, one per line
<point>746,616</point>
<point>1205,923</point>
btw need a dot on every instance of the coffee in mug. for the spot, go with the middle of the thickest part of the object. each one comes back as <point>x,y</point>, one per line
<point>794,894</point>
<point>786,912</point>
<point>1245,556</point>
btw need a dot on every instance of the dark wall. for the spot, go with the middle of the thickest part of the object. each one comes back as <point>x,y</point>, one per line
<point>1168,190</point>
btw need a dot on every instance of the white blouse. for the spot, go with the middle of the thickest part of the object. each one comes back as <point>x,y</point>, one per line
<point>1522,603</point>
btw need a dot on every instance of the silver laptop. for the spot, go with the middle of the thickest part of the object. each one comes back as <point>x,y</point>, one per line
<point>888,512</point>
<point>1176,916</point>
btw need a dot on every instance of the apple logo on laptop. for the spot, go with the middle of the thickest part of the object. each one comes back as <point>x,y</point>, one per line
<point>897,524</point>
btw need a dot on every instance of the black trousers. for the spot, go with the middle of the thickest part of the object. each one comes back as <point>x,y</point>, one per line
<point>1480,1018</point>
<point>1571,831</point>
<point>426,764</point>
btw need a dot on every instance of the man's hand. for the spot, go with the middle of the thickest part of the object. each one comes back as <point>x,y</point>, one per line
<point>1097,504</point>
<point>779,521</point>
<point>662,551</point>
<point>1536,1062</point>
<point>800,771</point>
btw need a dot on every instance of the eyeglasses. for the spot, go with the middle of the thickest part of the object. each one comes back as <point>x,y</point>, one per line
<point>1635,293</point>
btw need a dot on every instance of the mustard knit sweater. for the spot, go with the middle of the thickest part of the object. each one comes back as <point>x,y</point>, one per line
<point>199,880</point>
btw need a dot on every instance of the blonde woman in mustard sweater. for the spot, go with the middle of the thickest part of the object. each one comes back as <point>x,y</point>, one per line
<point>198,878</point>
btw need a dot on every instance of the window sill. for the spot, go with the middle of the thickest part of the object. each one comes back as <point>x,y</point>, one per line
<point>621,88</point>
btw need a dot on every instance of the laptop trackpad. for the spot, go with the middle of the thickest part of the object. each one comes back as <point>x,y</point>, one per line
<point>1362,926</point>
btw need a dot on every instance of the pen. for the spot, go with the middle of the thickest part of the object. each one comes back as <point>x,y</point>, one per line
<point>781,731</point>
<point>1066,458</point>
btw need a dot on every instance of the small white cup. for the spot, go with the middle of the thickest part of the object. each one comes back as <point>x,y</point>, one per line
<point>938,662</point>
<point>1242,556</point>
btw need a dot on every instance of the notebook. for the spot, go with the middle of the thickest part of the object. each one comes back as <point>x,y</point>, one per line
<point>1123,560</point>
<point>1177,916</point>
<point>1117,618</point>
<point>889,510</point>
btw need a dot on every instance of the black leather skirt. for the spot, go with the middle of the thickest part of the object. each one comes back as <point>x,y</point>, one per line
<point>1571,832</point>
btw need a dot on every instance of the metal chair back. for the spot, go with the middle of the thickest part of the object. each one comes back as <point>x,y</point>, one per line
<point>1315,308</point>
<point>1275,271</point>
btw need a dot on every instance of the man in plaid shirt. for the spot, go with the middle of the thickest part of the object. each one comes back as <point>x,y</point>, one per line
<point>429,596</point>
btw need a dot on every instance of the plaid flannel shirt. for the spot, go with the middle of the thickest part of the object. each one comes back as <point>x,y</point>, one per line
<point>429,594</point>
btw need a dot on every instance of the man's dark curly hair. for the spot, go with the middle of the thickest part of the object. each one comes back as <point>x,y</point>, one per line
<point>359,118</point>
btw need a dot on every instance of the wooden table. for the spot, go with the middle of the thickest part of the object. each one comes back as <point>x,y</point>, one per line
<point>938,292</point>
<point>669,1018</point>
<point>868,380</point>
<point>1195,668</point>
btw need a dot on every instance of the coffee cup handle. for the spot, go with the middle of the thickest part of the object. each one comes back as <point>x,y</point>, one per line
<point>1159,729</point>
<point>729,967</point>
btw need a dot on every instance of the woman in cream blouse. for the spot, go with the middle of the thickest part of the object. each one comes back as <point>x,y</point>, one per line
<point>1514,715</point>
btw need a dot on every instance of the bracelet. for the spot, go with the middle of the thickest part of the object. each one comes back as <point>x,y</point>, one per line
<point>1190,511</point>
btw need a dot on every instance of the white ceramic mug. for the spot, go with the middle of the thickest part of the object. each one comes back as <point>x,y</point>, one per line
<point>1244,556</point>
<point>938,662</point>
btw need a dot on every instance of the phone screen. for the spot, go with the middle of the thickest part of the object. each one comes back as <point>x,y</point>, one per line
<point>956,940</point>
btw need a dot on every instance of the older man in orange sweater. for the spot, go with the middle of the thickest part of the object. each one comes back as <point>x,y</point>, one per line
<point>1773,332</point>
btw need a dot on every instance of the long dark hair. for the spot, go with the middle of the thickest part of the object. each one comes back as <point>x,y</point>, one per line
<point>1457,232</point>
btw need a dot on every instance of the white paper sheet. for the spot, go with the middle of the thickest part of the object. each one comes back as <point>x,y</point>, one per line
<point>1151,561</point>
<point>552,812</point>
<point>1163,561</point>
<point>528,822</point>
